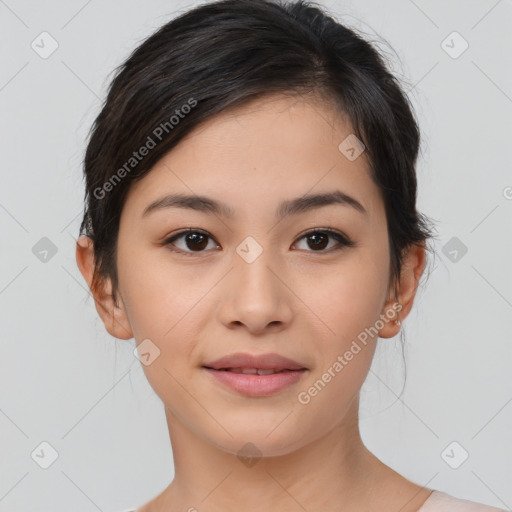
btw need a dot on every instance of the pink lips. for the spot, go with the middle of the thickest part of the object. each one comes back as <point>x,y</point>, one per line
<point>254,385</point>
<point>257,385</point>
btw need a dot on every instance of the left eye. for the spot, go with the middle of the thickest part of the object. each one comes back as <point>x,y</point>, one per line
<point>319,236</point>
<point>196,240</point>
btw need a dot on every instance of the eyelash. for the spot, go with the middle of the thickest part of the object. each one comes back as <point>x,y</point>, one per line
<point>343,241</point>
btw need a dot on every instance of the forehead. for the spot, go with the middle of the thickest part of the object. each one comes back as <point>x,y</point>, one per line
<point>258,154</point>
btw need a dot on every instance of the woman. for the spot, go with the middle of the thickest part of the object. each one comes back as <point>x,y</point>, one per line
<point>251,221</point>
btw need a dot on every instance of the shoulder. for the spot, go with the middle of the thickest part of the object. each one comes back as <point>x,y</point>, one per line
<point>439,501</point>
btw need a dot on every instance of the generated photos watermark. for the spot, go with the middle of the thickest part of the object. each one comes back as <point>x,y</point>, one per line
<point>304,397</point>
<point>157,135</point>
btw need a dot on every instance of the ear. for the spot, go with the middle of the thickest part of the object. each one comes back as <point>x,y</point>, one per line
<point>114,316</point>
<point>401,304</point>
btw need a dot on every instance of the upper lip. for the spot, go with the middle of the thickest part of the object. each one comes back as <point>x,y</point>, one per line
<point>260,362</point>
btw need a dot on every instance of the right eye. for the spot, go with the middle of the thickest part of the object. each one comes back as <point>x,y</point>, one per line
<point>195,239</point>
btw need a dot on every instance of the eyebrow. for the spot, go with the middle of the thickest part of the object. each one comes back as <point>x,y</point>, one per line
<point>286,208</point>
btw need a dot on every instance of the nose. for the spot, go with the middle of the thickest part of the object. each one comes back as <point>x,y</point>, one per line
<point>256,296</point>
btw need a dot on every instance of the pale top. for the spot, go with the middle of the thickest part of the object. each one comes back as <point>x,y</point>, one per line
<point>439,501</point>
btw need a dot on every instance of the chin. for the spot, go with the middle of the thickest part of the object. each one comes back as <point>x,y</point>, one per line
<point>251,443</point>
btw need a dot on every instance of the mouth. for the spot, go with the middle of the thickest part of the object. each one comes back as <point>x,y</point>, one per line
<point>255,375</point>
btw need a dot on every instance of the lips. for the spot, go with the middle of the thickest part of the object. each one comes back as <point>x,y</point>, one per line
<point>263,364</point>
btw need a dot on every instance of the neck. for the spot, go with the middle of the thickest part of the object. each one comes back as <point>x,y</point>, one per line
<point>334,469</point>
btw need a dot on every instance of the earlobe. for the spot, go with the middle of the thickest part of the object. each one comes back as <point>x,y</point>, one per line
<point>114,316</point>
<point>412,270</point>
<point>392,318</point>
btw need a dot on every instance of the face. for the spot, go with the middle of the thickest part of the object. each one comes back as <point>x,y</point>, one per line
<point>258,280</point>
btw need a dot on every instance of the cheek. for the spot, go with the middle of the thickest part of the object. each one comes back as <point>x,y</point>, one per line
<point>349,305</point>
<point>347,298</point>
<point>163,304</point>
<point>156,294</point>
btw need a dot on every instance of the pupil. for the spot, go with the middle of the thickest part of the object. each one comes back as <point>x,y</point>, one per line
<point>194,237</point>
<point>316,243</point>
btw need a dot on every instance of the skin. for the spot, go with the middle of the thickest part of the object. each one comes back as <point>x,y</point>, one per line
<point>305,303</point>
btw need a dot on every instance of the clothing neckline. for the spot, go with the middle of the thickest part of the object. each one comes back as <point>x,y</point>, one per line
<point>426,501</point>
<point>419,510</point>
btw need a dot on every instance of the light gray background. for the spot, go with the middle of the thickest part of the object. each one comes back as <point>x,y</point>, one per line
<point>65,381</point>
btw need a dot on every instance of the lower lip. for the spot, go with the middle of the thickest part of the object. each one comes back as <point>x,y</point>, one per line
<point>256,385</point>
